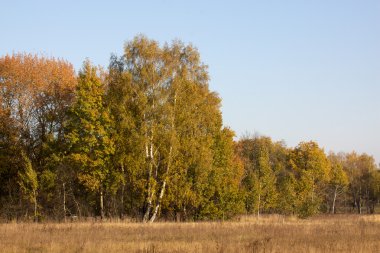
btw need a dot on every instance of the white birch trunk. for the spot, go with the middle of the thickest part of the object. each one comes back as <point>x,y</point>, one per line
<point>258,206</point>
<point>35,205</point>
<point>334,199</point>
<point>150,190</point>
<point>158,203</point>
<point>148,152</point>
<point>101,205</point>
<point>64,201</point>
<point>168,164</point>
<point>122,192</point>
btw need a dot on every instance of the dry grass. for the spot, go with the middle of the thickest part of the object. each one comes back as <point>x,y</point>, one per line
<point>269,234</point>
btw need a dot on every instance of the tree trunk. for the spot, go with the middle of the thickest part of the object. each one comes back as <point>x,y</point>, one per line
<point>158,203</point>
<point>368,201</point>
<point>101,205</point>
<point>122,209</point>
<point>169,159</point>
<point>163,186</point>
<point>312,192</point>
<point>35,205</point>
<point>149,207</point>
<point>334,199</point>
<point>150,190</point>
<point>149,157</point>
<point>64,202</point>
<point>76,202</point>
<point>258,206</point>
<point>358,200</point>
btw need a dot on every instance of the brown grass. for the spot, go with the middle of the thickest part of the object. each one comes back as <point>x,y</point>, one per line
<point>247,234</point>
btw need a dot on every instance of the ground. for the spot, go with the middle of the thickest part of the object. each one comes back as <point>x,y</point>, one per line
<point>348,233</point>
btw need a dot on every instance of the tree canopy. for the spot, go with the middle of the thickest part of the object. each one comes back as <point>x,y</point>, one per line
<point>145,139</point>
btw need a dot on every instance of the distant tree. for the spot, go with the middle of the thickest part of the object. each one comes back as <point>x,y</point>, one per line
<point>29,183</point>
<point>360,169</point>
<point>89,134</point>
<point>287,187</point>
<point>169,132</point>
<point>146,139</point>
<point>338,178</point>
<point>260,173</point>
<point>312,169</point>
<point>374,194</point>
<point>35,93</point>
<point>229,170</point>
<point>10,162</point>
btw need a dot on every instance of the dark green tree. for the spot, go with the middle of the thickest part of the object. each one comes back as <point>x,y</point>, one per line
<point>88,135</point>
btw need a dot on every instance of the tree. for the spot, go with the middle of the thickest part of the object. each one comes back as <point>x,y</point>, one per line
<point>374,189</point>
<point>287,187</point>
<point>89,134</point>
<point>229,173</point>
<point>312,170</point>
<point>35,93</point>
<point>338,178</point>
<point>360,169</point>
<point>29,183</point>
<point>146,139</point>
<point>168,124</point>
<point>260,175</point>
<point>140,87</point>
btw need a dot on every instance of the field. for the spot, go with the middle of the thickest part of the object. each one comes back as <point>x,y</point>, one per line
<point>247,234</point>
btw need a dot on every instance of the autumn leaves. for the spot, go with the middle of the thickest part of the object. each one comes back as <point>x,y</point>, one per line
<point>145,139</point>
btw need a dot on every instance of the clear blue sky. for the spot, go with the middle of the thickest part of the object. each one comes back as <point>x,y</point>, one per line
<point>292,70</point>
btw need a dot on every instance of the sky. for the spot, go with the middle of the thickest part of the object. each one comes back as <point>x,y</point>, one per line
<point>292,70</point>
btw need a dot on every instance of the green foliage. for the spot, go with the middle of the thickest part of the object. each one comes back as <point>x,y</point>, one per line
<point>28,182</point>
<point>89,132</point>
<point>28,179</point>
<point>145,139</point>
<point>169,132</point>
<point>10,161</point>
<point>312,170</point>
<point>361,170</point>
<point>287,193</point>
<point>338,177</point>
<point>260,179</point>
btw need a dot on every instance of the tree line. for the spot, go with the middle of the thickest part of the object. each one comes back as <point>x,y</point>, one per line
<point>145,139</point>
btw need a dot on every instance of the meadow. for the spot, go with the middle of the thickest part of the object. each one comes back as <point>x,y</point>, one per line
<point>339,233</point>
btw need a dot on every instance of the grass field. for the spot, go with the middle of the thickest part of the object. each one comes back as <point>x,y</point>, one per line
<point>268,234</point>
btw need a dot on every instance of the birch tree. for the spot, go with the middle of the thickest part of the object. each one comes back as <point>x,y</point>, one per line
<point>338,179</point>
<point>360,169</point>
<point>167,122</point>
<point>312,170</point>
<point>260,178</point>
